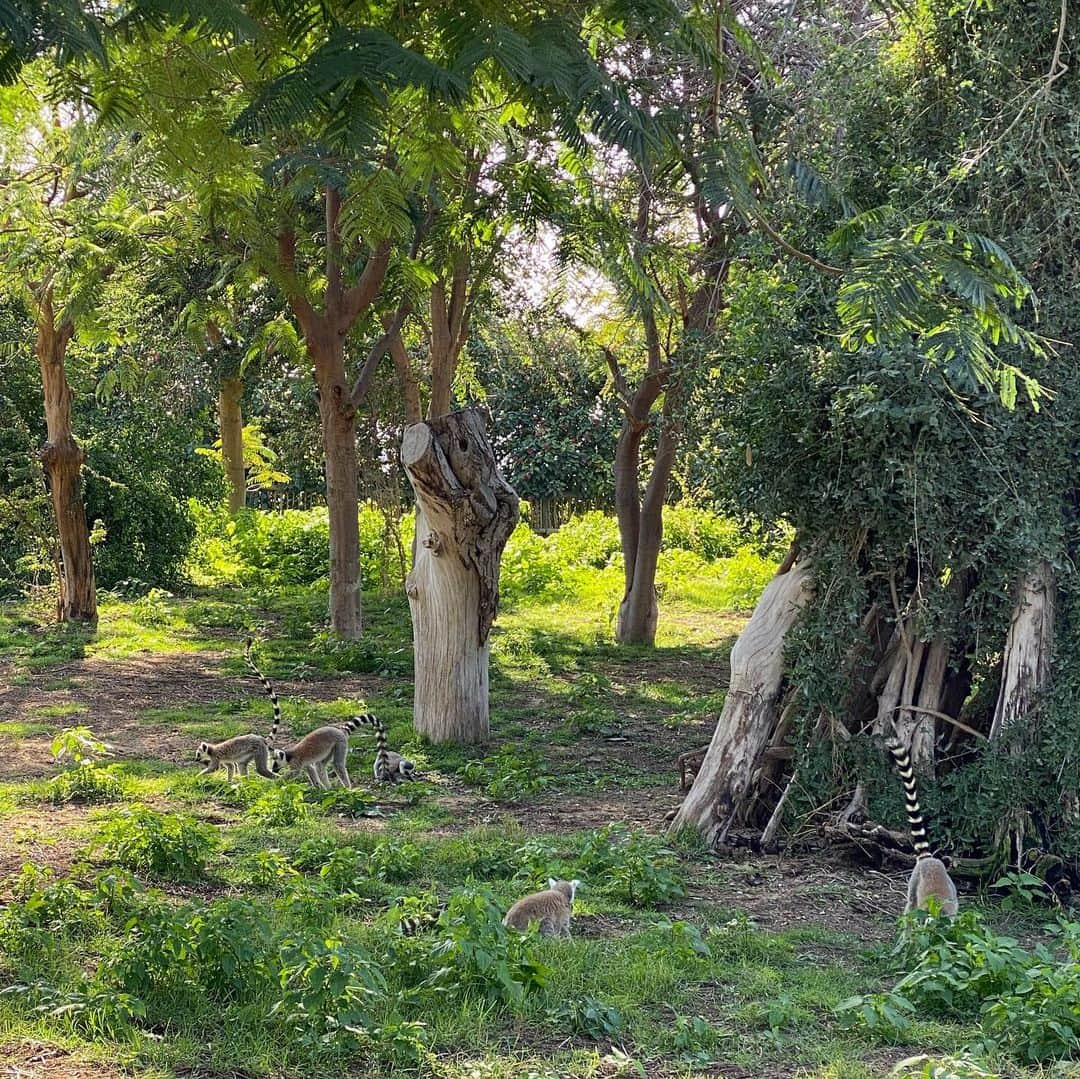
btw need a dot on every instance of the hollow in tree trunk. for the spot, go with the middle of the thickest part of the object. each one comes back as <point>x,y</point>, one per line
<point>750,708</point>
<point>465,512</point>
<point>231,422</point>
<point>62,458</point>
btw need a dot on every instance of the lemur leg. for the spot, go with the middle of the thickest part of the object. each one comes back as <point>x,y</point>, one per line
<point>262,765</point>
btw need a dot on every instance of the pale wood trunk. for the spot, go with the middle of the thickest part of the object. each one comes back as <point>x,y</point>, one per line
<point>465,514</point>
<point>342,487</point>
<point>231,422</point>
<point>62,458</point>
<point>750,708</point>
<point>1026,663</point>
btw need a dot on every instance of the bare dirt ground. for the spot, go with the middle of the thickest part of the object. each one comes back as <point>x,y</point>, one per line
<point>40,1060</point>
<point>117,694</point>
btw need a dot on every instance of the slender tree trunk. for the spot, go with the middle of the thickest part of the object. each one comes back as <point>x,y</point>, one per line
<point>465,514</point>
<point>639,610</point>
<point>62,458</point>
<point>231,421</point>
<point>750,708</point>
<point>342,486</point>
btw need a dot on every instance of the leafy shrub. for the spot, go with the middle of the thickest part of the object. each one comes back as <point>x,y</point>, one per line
<point>87,784</point>
<point>743,578</point>
<point>83,780</point>
<point>343,868</point>
<point>529,565</point>
<point>590,1017</point>
<point>168,845</point>
<point>587,539</point>
<point>329,989</point>
<point>280,805</point>
<point>1029,1001</point>
<point>231,944</point>
<point>474,951</point>
<point>631,866</point>
<point>269,869</point>
<point>700,531</point>
<point>395,860</point>
<point>508,775</point>
<point>269,549</point>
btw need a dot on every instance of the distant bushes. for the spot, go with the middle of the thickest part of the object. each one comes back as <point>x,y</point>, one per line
<point>292,547</point>
<point>286,547</point>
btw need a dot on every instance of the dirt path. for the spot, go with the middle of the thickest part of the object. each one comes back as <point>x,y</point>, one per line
<point>113,696</point>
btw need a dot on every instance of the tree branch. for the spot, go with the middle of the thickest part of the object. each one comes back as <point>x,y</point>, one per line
<point>359,298</point>
<point>378,350</point>
<point>298,301</point>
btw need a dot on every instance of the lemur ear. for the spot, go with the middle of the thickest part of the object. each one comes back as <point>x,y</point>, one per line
<point>552,882</point>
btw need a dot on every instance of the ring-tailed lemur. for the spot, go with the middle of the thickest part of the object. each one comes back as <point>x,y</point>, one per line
<point>550,908</point>
<point>239,753</point>
<point>389,767</point>
<point>929,877</point>
<point>312,754</point>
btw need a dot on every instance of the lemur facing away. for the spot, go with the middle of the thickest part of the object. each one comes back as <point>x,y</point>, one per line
<point>550,908</point>
<point>239,753</point>
<point>390,767</point>
<point>929,877</point>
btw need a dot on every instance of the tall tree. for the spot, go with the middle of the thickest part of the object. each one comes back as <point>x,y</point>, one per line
<point>66,227</point>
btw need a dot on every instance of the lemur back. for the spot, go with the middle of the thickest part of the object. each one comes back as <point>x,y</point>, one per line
<point>389,767</point>
<point>315,751</point>
<point>269,692</point>
<point>929,877</point>
<point>551,908</point>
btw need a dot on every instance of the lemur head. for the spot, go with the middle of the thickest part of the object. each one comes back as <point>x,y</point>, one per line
<point>567,887</point>
<point>278,761</point>
<point>202,754</point>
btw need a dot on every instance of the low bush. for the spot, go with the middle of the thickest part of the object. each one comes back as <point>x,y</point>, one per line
<point>632,866</point>
<point>1028,1002</point>
<point>168,845</point>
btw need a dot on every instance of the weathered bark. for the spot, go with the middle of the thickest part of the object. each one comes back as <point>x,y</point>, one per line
<point>324,334</point>
<point>465,514</point>
<point>1026,663</point>
<point>62,458</point>
<point>231,422</point>
<point>750,708</point>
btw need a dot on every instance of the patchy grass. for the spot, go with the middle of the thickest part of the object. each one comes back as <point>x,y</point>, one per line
<point>257,935</point>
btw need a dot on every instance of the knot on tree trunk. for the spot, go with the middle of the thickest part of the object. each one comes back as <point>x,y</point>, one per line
<point>468,505</point>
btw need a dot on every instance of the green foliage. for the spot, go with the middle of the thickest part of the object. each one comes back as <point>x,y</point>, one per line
<point>270,549</point>
<point>632,866</point>
<point>475,951</point>
<point>1028,1001</point>
<point>84,780</point>
<point>590,1017</point>
<point>508,775</point>
<point>167,845</point>
<point>280,805</point>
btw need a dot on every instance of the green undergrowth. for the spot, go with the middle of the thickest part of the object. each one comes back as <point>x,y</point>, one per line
<point>168,907</point>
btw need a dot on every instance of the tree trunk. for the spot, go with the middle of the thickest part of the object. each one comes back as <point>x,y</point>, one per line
<point>231,422</point>
<point>465,514</point>
<point>1026,664</point>
<point>342,486</point>
<point>639,611</point>
<point>750,708</point>
<point>62,458</point>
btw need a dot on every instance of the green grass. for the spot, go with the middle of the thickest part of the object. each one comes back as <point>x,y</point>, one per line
<point>665,974</point>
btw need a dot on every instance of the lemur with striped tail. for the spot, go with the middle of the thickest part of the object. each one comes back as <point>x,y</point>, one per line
<point>389,767</point>
<point>239,753</point>
<point>929,877</point>
<point>316,751</point>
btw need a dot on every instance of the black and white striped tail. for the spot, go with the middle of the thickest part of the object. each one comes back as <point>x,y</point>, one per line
<point>269,691</point>
<point>411,924</point>
<point>382,760</point>
<point>911,798</point>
